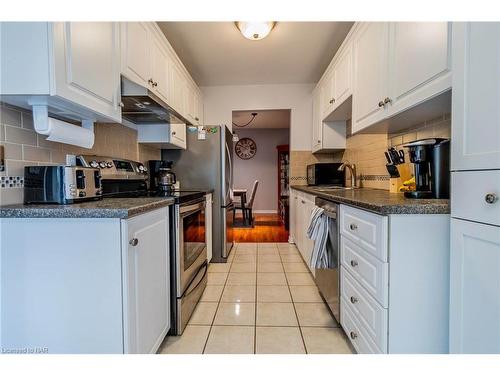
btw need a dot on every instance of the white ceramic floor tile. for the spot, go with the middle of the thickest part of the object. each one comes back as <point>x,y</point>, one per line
<point>244,278</point>
<point>245,258</point>
<point>243,267</point>
<point>267,245</point>
<point>286,245</point>
<point>269,258</point>
<point>326,341</point>
<point>192,341</point>
<point>230,340</point>
<point>235,314</point>
<point>271,278</point>
<point>204,313</point>
<point>305,293</point>
<point>291,258</point>
<point>268,251</point>
<point>300,278</point>
<point>270,267</point>
<point>216,278</point>
<point>239,293</point>
<point>273,293</point>
<point>212,293</point>
<point>315,315</point>
<point>276,314</point>
<point>278,340</point>
<point>246,245</point>
<point>295,267</point>
<point>219,267</point>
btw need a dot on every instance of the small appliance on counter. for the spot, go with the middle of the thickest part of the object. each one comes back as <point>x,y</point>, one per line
<point>431,159</point>
<point>325,174</point>
<point>162,179</point>
<point>59,184</point>
<point>120,177</point>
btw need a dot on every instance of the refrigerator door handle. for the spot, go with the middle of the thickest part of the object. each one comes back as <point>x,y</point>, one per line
<point>229,190</point>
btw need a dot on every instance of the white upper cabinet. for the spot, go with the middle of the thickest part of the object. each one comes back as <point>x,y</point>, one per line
<point>74,67</point>
<point>419,62</point>
<point>370,74</point>
<point>327,93</point>
<point>193,104</point>
<point>342,77</point>
<point>135,64</point>
<point>476,96</point>
<point>317,124</point>
<point>178,89</point>
<point>160,62</point>
<point>398,66</point>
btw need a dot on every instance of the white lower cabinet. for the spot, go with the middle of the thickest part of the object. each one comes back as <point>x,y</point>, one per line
<point>146,281</point>
<point>79,285</point>
<point>475,288</point>
<point>394,281</point>
<point>302,206</point>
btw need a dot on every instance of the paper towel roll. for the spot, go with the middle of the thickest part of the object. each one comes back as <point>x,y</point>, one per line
<point>60,131</point>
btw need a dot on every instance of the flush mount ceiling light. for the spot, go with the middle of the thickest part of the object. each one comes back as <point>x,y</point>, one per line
<point>255,30</point>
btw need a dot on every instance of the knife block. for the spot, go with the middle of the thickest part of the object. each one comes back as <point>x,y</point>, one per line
<point>394,184</point>
<point>405,173</point>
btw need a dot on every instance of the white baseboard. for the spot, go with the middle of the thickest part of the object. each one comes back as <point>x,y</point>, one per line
<point>265,211</point>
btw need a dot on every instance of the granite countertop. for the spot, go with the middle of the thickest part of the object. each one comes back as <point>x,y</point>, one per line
<point>381,201</point>
<point>120,208</point>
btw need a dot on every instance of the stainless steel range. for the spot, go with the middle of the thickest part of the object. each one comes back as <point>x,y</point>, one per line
<point>188,245</point>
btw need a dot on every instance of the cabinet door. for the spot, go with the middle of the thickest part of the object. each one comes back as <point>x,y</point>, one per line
<point>476,95</point>
<point>293,216</point>
<point>420,55</point>
<point>178,135</point>
<point>200,109</point>
<point>327,94</point>
<point>177,88</point>
<point>135,64</point>
<point>370,74</point>
<point>147,288</point>
<point>342,76</point>
<point>87,65</point>
<point>474,288</point>
<point>317,122</point>
<point>159,69</point>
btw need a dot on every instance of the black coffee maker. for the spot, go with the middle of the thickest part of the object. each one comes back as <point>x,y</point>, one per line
<point>161,177</point>
<point>431,158</point>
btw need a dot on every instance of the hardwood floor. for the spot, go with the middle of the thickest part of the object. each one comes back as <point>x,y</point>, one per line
<point>267,228</point>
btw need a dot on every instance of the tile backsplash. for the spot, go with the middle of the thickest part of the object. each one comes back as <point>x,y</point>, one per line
<point>23,146</point>
<point>366,151</point>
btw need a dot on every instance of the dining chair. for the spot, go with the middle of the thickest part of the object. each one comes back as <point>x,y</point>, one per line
<point>246,207</point>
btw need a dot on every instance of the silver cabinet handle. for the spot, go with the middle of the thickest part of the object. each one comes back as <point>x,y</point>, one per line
<point>353,335</point>
<point>155,84</point>
<point>353,300</point>
<point>381,103</point>
<point>150,81</point>
<point>303,202</point>
<point>332,100</point>
<point>197,119</point>
<point>387,100</point>
<point>354,263</point>
<point>174,133</point>
<point>133,241</point>
<point>353,226</point>
<point>491,198</point>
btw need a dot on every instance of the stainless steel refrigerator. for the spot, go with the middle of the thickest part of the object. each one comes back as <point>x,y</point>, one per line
<point>207,164</point>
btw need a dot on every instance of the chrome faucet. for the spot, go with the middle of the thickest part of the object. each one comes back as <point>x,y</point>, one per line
<point>352,169</point>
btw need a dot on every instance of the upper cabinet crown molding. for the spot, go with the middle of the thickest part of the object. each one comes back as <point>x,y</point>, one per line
<point>57,66</point>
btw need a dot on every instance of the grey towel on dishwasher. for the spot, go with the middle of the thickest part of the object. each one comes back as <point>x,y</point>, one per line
<point>318,232</point>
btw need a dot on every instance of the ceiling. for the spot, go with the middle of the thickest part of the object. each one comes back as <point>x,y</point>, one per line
<point>215,53</point>
<point>265,119</point>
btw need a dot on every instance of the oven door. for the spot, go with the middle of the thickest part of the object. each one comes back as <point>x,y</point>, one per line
<point>192,245</point>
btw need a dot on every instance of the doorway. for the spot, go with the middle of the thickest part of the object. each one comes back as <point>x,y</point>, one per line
<point>261,174</point>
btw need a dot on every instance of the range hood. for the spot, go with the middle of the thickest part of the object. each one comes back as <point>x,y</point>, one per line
<point>142,106</point>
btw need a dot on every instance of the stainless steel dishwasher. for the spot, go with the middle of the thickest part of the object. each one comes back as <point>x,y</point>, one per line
<point>328,279</point>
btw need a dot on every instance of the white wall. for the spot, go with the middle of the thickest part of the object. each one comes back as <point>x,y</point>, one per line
<point>263,167</point>
<point>220,101</point>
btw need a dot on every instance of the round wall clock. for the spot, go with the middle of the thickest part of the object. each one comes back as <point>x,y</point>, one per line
<point>245,148</point>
